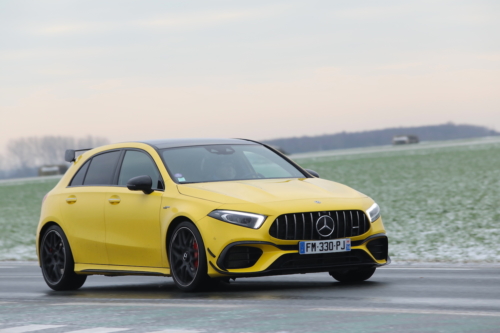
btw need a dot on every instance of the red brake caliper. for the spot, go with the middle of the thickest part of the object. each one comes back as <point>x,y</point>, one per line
<point>195,247</point>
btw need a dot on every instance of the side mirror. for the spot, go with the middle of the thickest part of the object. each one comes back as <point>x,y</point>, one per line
<point>313,173</point>
<point>141,183</point>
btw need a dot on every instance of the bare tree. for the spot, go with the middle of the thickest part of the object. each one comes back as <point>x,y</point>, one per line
<point>2,166</point>
<point>25,153</point>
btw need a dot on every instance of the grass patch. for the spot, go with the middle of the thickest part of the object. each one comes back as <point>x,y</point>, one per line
<point>438,204</point>
<point>20,202</point>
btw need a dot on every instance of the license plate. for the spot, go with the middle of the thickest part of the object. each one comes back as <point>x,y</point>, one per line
<point>327,246</point>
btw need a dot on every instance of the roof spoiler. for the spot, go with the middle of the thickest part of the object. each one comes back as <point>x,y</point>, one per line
<point>69,156</point>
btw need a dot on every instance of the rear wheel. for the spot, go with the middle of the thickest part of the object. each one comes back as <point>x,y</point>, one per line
<point>58,267</point>
<point>188,261</point>
<point>353,275</point>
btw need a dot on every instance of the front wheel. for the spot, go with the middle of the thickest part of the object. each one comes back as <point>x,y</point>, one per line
<point>353,275</point>
<point>57,261</point>
<point>188,261</point>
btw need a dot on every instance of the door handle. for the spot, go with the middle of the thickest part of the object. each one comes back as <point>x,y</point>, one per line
<point>114,200</point>
<point>71,199</point>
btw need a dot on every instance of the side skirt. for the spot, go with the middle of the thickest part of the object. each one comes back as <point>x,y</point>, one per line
<point>111,270</point>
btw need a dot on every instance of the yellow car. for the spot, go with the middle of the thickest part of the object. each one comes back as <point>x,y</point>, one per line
<point>202,211</point>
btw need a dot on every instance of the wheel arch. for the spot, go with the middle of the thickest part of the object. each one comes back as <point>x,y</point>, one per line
<point>42,232</point>
<point>175,222</point>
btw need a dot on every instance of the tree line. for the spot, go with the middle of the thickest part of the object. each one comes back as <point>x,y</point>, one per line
<point>25,155</point>
<point>381,137</point>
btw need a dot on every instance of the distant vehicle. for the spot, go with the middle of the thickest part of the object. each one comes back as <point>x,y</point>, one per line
<point>404,139</point>
<point>203,211</point>
<point>52,170</point>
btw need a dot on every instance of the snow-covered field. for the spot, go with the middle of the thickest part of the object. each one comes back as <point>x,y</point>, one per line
<point>440,201</point>
<point>20,201</point>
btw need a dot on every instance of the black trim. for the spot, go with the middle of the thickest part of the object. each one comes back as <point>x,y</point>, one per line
<point>361,242</point>
<point>210,252</point>
<point>280,271</point>
<point>220,261</point>
<point>121,272</point>
<point>242,257</point>
<point>118,167</point>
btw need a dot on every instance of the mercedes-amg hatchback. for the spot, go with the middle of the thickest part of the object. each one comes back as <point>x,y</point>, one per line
<point>202,211</point>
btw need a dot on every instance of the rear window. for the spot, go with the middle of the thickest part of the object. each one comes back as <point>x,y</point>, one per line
<point>80,175</point>
<point>102,169</point>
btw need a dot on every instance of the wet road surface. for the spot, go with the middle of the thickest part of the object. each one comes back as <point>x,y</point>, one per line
<point>395,299</point>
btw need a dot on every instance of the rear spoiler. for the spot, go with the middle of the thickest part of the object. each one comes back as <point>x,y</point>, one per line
<point>69,156</point>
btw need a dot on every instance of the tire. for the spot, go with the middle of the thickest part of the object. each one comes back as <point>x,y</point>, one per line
<point>56,258</point>
<point>188,260</point>
<point>353,275</point>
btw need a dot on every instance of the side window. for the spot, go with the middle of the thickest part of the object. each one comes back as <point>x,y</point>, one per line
<point>80,175</point>
<point>101,169</point>
<point>136,163</point>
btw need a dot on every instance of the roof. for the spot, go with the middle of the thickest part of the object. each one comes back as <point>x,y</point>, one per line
<point>172,143</point>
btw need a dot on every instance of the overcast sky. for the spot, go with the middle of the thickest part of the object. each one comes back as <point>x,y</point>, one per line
<point>132,70</point>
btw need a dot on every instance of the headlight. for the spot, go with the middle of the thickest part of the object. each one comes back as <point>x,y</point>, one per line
<point>248,220</point>
<point>373,212</point>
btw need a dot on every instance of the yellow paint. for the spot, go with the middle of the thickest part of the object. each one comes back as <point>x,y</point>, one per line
<point>112,228</point>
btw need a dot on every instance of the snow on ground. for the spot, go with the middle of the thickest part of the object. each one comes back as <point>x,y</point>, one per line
<point>439,201</point>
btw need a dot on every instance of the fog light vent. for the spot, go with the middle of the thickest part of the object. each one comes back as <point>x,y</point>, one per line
<point>242,257</point>
<point>379,248</point>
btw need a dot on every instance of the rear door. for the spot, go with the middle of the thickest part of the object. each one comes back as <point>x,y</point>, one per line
<point>132,218</point>
<point>82,207</point>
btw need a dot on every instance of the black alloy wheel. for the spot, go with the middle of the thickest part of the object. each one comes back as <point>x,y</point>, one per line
<point>188,261</point>
<point>353,275</point>
<point>57,261</point>
<point>53,257</point>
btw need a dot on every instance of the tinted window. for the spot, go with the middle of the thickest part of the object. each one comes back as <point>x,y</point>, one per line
<point>101,169</point>
<point>78,179</point>
<point>136,163</point>
<point>226,162</point>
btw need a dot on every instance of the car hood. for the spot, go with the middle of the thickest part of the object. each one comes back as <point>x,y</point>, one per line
<point>269,190</point>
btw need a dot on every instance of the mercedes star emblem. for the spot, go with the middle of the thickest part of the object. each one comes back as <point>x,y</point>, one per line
<point>325,226</point>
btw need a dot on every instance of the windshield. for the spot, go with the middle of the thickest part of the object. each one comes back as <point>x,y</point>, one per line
<point>214,163</point>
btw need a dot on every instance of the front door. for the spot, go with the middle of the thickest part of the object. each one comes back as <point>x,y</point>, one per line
<point>132,218</point>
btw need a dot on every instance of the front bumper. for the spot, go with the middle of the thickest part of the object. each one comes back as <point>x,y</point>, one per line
<point>269,258</point>
<point>275,256</point>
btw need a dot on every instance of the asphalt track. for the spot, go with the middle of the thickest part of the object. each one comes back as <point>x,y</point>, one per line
<point>395,299</point>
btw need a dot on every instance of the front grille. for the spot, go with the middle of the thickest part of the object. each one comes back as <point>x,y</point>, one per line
<point>379,248</point>
<point>310,261</point>
<point>242,257</point>
<point>302,226</point>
